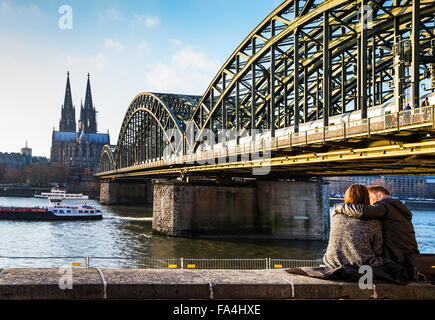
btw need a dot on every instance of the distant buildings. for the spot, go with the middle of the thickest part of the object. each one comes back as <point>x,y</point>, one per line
<point>15,160</point>
<point>416,187</point>
<point>78,146</point>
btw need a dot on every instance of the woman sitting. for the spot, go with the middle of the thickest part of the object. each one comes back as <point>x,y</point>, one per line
<point>352,243</point>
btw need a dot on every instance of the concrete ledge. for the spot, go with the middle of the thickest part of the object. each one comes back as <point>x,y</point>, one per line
<point>41,284</point>
<point>30,284</point>
<point>155,284</point>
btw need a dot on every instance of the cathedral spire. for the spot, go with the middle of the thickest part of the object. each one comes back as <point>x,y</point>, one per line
<point>68,116</point>
<point>88,97</point>
<point>68,97</point>
<point>87,114</point>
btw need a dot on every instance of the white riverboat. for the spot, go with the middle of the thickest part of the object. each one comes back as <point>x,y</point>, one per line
<point>70,212</point>
<point>61,194</point>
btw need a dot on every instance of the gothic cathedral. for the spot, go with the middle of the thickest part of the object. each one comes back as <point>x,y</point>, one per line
<point>78,147</point>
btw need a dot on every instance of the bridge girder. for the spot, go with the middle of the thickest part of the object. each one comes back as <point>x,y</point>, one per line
<point>256,84</point>
<point>307,60</point>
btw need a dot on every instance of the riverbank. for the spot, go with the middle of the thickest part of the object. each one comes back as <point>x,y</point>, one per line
<point>102,284</point>
<point>420,204</point>
<point>410,204</point>
<point>88,188</point>
<point>21,191</point>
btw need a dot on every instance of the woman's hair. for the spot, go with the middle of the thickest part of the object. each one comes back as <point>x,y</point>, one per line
<point>357,194</point>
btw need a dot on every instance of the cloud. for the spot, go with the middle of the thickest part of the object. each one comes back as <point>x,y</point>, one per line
<point>30,10</point>
<point>71,60</point>
<point>5,7</point>
<point>115,44</point>
<point>176,42</point>
<point>147,20</point>
<point>151,21</point>
<point>114,14</point>
<point>189,71</point>
<point>193,58</point>
<point>35,10</point>
<point>99,61</point>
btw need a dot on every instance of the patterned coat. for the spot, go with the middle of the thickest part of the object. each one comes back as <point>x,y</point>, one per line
<point>354,242</point>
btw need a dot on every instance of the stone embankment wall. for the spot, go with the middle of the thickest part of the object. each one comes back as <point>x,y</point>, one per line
<point>99,284</point>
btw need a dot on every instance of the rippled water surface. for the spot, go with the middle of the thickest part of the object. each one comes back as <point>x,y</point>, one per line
<point>126,233</point>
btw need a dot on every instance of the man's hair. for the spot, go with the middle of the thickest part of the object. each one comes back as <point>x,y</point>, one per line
<point>379,189</point>
<point>357,194</point>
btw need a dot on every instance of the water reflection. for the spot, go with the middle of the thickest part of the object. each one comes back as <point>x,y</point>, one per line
<point>126,232</point>
<point>136,226</point>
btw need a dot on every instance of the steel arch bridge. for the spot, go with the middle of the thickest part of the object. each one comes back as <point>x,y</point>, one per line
<point>308,60</point>
<point>152,120</point>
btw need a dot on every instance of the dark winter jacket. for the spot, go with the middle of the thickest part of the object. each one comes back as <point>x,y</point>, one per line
<point>398,231</point>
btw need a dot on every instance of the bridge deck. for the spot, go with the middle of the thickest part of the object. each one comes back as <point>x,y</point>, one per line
<point>405,134</point>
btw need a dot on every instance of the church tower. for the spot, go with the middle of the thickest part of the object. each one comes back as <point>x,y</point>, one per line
<point>68,113</point>
<point>88,113</point>
<point>78,148</point>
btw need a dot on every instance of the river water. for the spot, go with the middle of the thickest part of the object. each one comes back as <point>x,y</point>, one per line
<point>125,232</point>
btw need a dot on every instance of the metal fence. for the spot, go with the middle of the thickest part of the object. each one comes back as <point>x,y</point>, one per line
<point>261,263</point>
<point>155,263</point>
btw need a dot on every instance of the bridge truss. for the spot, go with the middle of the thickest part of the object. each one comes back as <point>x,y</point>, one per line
<point>308,60</point>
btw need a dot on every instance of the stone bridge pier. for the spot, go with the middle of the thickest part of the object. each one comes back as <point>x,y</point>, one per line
<point>262,209</point>
<point>119,192</point>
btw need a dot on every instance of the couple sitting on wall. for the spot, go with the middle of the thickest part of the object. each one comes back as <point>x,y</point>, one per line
<point>369,229</point>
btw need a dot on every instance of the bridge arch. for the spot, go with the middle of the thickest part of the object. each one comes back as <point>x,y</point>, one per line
<point>309,60</point>
<point>106,162</point>
<point>151,121</point>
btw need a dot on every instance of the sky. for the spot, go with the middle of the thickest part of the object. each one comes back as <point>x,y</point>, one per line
<point>128,47</point>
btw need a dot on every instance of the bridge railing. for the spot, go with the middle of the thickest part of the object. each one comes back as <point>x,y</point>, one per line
<point>382,124</point>
<point>406,119</point>
<point>403,120</point>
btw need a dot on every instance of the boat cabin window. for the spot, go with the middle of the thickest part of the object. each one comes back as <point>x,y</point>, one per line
<point>80,211</point>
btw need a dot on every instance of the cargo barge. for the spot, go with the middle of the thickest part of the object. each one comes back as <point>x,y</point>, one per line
<point>55,211</point>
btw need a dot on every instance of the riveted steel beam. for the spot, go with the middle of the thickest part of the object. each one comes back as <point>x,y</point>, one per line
<point>415,48</point>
